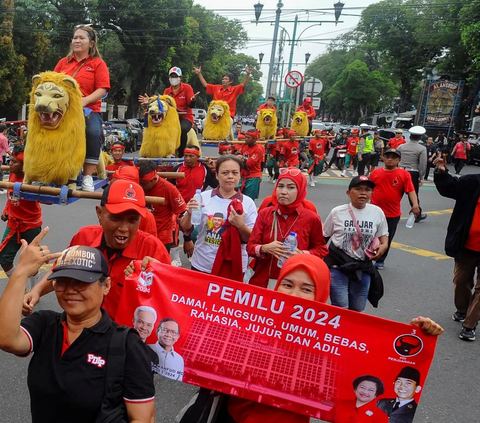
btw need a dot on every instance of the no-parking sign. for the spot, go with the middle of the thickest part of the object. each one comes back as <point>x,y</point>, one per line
<point>294,79</point>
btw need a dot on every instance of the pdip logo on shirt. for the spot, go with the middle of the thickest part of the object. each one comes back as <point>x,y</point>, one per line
<point>95,360</point>
<point>294,151</point>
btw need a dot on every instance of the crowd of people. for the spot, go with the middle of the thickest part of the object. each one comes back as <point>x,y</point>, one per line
<point>281,246</point>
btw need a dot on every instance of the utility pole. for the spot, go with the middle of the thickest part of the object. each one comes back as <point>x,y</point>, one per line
<point>274,47</point>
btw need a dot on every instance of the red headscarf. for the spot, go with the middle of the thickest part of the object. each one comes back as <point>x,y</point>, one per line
<point>300,181</point>
<point>315,267</point>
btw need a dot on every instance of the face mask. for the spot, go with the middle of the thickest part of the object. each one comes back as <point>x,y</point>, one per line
<point>174,81</point>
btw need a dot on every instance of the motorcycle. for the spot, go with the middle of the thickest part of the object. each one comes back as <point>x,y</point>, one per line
<point>341,151</point>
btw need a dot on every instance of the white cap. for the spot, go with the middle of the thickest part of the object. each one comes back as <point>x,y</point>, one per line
<point>417,130</point>
<point>364,126</point>
<point>176,70</point>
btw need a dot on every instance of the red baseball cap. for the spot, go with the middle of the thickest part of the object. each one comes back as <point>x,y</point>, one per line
<point>122,195</point>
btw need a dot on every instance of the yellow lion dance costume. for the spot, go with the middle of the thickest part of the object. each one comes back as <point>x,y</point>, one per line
<point>267,123</point>
<point>218,125</point>
<point>162,136</point>
<point>300,124</point>
<point>56,146</point>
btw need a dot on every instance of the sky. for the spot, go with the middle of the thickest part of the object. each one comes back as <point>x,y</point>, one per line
<point>314,40</point>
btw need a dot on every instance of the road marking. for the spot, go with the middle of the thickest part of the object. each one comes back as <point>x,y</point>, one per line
<point>419,251</point>
<point>46,267</point>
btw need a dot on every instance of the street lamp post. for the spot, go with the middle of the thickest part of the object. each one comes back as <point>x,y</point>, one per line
<point>338,10</point>
<point>307,58</point>
<point>260,57</point>
<point>274,47</point>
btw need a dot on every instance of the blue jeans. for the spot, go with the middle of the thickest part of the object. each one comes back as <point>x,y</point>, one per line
<point>348,294</point>
<point>93,132</point>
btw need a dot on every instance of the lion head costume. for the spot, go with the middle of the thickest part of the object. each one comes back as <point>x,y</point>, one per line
<point>300,123</point>
<point>218,124</point>
<point>56,147</point>
<point>267,123</point>
<point>162,135</point>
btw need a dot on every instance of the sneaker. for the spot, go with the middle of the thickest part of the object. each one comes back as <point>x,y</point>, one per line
<point>312,183</point>
<point>467,334</point>
<point>274,181</point>
<point>459,317</point>
<point>176,263</point>
<point>3,191</point>
<point>87,183</point>
<point>270,179</point>
<point>422,216</point>
<point>343,175</point>
<point>379,265</point>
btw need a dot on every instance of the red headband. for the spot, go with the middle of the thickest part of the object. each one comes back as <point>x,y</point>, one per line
<point>117,146</point>
<point>191,151</point>
<point>222,148</point>
<point>20,156</point>
<point>253,134</point>
<point>150,176</point>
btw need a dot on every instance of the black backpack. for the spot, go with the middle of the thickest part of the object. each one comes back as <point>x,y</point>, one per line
<point>113,408</point>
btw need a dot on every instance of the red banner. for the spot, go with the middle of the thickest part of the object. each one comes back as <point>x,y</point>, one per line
<point>273,348</point>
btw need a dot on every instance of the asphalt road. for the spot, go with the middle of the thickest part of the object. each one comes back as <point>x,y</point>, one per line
<point>414,284</point>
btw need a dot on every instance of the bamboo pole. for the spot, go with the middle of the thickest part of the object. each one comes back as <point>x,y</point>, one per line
<point>171,175</point>
<point>42,189</point>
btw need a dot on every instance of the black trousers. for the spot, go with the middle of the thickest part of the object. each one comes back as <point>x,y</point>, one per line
<point>392,223</point>
<point>459,163</point>
<point>430,165</point>
<point>186,125</point>
<point>415,174</point>
<point>363,163</point>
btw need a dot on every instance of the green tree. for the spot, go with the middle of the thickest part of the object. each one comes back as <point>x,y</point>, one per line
<point>13,87</point>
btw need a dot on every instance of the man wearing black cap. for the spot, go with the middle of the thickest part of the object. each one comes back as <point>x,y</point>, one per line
<point>402,408</point>
<point>391,183</point>
<point>119,213</point>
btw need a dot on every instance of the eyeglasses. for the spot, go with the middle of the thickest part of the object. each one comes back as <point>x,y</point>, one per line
<point>61,285</point>
<point>293,171</point>
<point>169,332</point>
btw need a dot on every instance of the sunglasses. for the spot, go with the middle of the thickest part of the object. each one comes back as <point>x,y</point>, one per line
<point>292,171</point>
<point>61,285</point>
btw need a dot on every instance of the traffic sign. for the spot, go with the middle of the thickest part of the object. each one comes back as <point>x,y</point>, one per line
<point>313,87</point>
<point>294,79</point>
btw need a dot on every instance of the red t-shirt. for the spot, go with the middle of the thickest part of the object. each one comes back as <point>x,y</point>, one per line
<point>183,98</point>
<point>22,214</point>
<point>266,106</point>
<point>92,76</point>
<point>290,152</point>
<point>229,95</point>
<point>473,240</point>
<point>459,150</point>
<point>318,146</point>
<point>142,245</point>
<point>390,185</point>
<point>148,225</point>
<point>309,110</point>
<point>194,179</point>
<point>253,157</point>
<point>174,205</point>
<point>394,143</point>
<point>352,144</point>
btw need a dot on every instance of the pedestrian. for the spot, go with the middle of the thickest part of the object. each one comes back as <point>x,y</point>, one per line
<point>273,158</point>
<point>391,183</point>
<point>68,374</point>
<point>460,152</point>
<point>397,140</point>
<point>85,65</point>
<point>365,149</point>
<point>4,148</point>
<point>353,228</point>
<point>309,110</point>
<point>184,98</point>
<point>302,153</point>
<point>253,157</point>
<point>289,150</point>
<point>351,157</point>
<point>165,214</point>
<point>432,154</point>
<point>238,134</point>
<point>463,244</point>
<point>414,161</point>
<point>318,149</point>
<point>117,236</point>
<point>117,150</point>
<point>377,155</point>
<point>23,217</point>
<point>216,210</point>
<point>226,91</point>
<point>275,223</point>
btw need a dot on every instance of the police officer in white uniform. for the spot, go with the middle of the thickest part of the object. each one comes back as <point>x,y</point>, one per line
<point>414,160</point>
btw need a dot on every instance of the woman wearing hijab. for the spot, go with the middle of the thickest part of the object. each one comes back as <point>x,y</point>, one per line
<point>275,223</point>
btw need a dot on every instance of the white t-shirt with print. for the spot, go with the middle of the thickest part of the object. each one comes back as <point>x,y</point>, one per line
<point>210,229</point>
<point>340,227</point>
